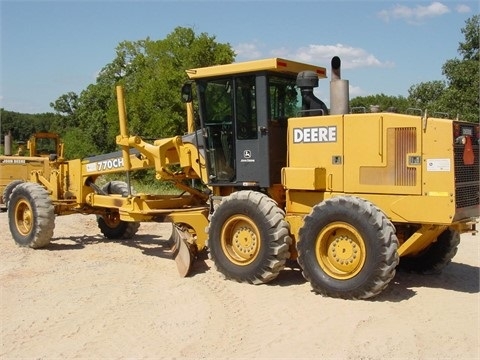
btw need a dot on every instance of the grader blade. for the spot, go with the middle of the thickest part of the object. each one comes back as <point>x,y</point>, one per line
<point>181,252</point>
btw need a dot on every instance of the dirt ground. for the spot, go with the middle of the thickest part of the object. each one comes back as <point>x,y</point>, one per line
<point>87,297</point>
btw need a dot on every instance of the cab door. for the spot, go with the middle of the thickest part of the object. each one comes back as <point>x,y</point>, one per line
<point>216,117</point>
<point>250,154</point>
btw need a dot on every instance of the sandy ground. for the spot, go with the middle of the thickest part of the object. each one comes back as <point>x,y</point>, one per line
<point>86,297</point>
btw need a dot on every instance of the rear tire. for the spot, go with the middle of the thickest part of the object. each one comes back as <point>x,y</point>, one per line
<point>249,238</point>
<point>347,248</point>
<point>7,192</point>
<point>31,215</point>
<point>436,257</point>
<point>109,223</point>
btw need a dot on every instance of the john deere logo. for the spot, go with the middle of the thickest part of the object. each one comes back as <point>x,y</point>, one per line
<point>315,134</point>
<point>247,157</point>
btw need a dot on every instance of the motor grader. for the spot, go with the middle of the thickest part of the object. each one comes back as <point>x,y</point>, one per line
<point>15,168</point>
<point>348,196</point>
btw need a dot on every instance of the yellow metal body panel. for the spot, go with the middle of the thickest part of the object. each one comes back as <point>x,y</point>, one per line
<point>401,163</point>
<point>20,168</point>
<point>398,208</point>
<point>272,64</point>
<point>316,142</point>
<point>438,159</point>
<point>304,178</point>
<point>377,149</point>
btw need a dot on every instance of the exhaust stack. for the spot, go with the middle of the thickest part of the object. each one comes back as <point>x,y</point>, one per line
<point>7,150</point>
<point>339,95</point>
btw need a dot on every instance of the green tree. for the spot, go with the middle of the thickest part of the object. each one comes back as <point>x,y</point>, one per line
<point>152,72</point>
<point>23,126</point>
<point>426,95</point>
<point>459,95</point>
<point>66,106</point>
<point>384,103</point>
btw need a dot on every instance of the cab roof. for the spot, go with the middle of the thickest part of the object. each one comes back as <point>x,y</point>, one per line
<point>273,64</point>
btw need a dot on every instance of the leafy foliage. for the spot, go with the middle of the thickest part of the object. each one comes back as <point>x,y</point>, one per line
<point>459,95</point>
<point>152,73</point>
<point>382,102</point>
<point>22,126</point>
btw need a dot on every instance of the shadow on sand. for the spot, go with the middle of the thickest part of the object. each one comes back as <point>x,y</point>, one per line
<point>455,277</point>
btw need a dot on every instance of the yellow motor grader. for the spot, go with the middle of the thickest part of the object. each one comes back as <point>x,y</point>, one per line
<point>348,196</point>
<point>41,149</point>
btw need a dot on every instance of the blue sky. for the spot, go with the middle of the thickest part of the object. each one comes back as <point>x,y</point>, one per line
<point>49,48</point>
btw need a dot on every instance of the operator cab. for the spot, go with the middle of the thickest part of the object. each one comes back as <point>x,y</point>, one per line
<point>242,112</point>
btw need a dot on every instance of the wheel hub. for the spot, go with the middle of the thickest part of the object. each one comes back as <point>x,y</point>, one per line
<point>340,250</point>
<point>112,219</point>
<point>24,218</point>
<point>245,241</point>
<point>344,253</point>
<point>240,240</point>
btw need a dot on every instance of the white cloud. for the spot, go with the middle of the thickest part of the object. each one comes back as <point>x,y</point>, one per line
<point>351,57</point>
<point>462,9</point>
<point>247,51</point>
<point>414,14</point>
<point>355,91</point>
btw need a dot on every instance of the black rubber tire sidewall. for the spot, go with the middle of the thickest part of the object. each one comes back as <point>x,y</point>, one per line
<point>42,214</point>
<point>434,258</point>
<point>360,216</point>
<point>124,229</point>
<point>7,192</point>
<point>272,254</point>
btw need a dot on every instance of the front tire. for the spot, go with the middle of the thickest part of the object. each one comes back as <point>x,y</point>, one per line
<point>109,223</point>
<point>249,238</point>
<point>347,248</point>
<point>31,215</point>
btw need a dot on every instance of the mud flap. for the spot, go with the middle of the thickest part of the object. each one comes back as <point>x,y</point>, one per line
<point>181,252</point>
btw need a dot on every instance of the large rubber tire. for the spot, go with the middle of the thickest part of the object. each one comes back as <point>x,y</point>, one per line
<point>31,215</point>
<point>110,224</point>
<point>347,248</point>
<point>7,192</point>
<point>434,258</point>
<point>249,238</point>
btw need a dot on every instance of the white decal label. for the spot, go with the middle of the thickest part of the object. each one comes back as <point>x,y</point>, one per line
<point>91,167</point>
<point>438,164</point>
<point>315,134</point>
<point>108,164</point>
<point>13,161</point>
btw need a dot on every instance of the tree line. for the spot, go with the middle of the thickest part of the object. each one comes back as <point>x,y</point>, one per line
<point>152,72</point>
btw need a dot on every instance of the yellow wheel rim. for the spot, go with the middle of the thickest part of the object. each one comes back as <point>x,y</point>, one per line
<point>340,250</point>
<point>24,217</point>
<point>240,240</point>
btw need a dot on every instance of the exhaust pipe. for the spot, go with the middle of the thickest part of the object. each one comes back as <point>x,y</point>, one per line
<point>339,95</point>
<point>7,149</point>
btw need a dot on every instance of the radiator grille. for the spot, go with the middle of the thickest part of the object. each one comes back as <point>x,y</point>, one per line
<point>405,142</point>
<point>466,176</point>
<point>400,142</point>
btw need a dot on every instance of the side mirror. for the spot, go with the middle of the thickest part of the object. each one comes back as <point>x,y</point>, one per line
<point>187,92</point>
